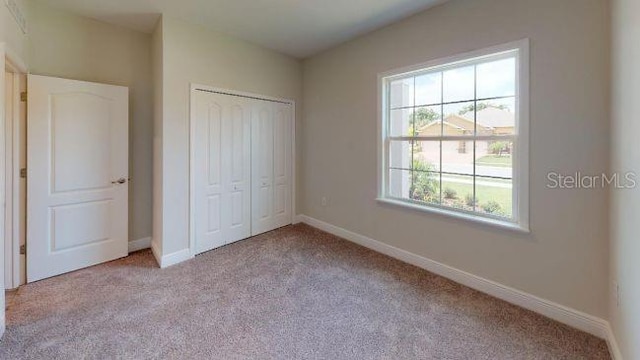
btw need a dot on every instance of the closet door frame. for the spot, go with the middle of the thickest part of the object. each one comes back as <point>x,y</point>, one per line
<point>200,87</point>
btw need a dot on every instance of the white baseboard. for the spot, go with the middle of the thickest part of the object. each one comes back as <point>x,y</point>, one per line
<point>577,319</point>
<point>140,244</point>
<point>170,259</point>
<point>613,344</point>
<point>156,253</point>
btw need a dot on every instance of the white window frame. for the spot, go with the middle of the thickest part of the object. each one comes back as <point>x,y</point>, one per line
<point>520,221</point>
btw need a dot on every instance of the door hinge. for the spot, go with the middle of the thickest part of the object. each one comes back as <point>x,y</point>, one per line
<point>23,249</point>
<point>23,96</point>
<point>23,173</point>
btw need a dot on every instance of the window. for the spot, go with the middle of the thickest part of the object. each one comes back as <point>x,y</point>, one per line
<point>455,136</point>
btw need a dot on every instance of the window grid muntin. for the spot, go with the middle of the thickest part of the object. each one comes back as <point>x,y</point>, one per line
<point>453,102</point>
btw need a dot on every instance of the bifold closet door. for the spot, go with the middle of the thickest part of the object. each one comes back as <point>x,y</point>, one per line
<point>222,170</point>
<point>271,166</point>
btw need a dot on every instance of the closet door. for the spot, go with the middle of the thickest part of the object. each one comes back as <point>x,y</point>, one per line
<point>282,154</point>
<point>221,170</point>
<point>271,166</point>
<point>262,167</point>
<point>236,144</point>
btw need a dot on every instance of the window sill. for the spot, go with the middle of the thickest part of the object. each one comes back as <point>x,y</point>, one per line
<point>505,225</point>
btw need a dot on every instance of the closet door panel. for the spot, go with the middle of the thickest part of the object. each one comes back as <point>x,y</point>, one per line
<point>262,165</point>
<point>208,182</point>
<point>271,139</point>
<point>238,157</point>
<point>281,207</point>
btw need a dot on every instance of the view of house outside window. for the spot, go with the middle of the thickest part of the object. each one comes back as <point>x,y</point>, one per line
<point>450,136</point>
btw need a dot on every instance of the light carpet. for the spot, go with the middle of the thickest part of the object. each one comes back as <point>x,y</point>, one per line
<point>294,293</point>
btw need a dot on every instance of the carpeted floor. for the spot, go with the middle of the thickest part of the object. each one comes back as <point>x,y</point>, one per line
<point>295,293</point>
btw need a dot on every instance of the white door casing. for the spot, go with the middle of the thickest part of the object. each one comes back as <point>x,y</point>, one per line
<point>222,157</point>
<point>9,105</point>
<point>77,191</point>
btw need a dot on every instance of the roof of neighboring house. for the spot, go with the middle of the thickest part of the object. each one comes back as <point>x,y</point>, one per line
<point>492,117</point>
<point>437,122</point>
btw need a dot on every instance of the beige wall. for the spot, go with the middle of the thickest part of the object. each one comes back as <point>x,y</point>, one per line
<point>565,258</point>
<point>625,204</point>
<point>69,46</point>
<point>194,54</point>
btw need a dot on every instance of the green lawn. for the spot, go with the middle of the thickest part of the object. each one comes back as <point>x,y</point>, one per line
<point>495,160</point>
<point>483,193</point>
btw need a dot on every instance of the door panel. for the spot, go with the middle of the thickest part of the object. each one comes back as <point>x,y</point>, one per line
<point>282,165</point>
<point>208,161</point>
<point>77,146</point>
<point>262,164</point>
<point>271,166</point>
<point>75,166</point>
<point>214,214</point>
<point>92,222</point>
<point>214,143</point>
<point>222,195</point>
<point>238,154</point>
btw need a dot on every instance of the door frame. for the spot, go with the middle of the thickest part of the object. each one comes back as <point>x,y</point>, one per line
<point>14,264</point>
<point>192,128</point>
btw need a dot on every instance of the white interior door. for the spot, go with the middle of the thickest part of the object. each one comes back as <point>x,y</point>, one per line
<point>77,191</point>
<point>271,166</point>
<point>221,169</point>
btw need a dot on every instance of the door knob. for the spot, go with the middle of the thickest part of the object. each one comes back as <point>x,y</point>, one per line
<point>119,181</point>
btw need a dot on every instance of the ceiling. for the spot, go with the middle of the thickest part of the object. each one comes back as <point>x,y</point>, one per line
<point>299,28</point>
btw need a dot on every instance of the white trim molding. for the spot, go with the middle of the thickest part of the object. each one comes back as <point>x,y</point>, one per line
<point>170,259</point>
<point>614,350</point>
<point>574,318</point>
<point>139,244</point>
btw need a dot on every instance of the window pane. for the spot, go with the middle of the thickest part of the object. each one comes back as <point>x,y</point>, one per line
<point>494,196</point>
<point>458,119</point>
<point>425,186</point>
<point>496,78</point>
<point>457,191</point>
<point>401,93</point>
<point>399,183</point>
<point>400,154</point>
<point>494,158</point>
<point>457,157</point>
<point>458,84</point>
<point>401,122</point>
<point>428,89</point>
<point>426,155</point>
<point>458,124</point>
<point>496,117</point>
<point>427,121</point>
